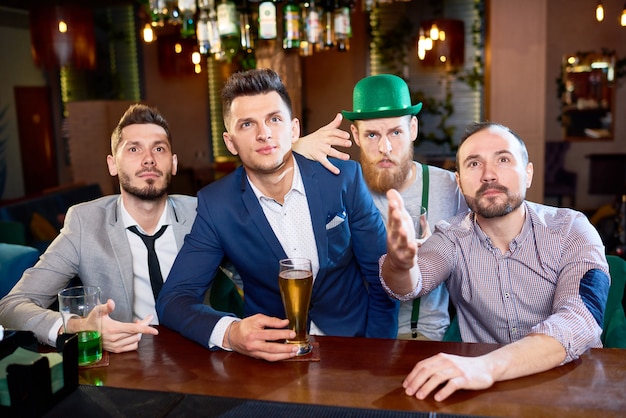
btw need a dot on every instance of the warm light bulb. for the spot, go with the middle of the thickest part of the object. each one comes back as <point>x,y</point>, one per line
<point>197,68</point>
<point>148,33</point>
<point>442,35</point>
<point>178,48</point>
<point>428,44</point>
<point>443,58</point>
<point>599,12</point>
<point>421,51</point>
<point>434,32</point>
<point>195,58</point>
<point>623,18</point>
<point>62,26</point>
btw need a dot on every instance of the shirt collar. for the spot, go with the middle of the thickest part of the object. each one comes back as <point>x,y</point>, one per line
<point>297,185</point>
<point>515,242</point>
<point>128,220</point>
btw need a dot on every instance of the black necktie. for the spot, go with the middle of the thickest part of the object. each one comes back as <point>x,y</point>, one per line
<point>154,269</point>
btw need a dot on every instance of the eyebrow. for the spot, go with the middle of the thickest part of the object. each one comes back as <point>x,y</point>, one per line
<point>478,156</point>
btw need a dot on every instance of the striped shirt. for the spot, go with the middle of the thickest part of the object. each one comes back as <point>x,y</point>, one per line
<point>553,279</point>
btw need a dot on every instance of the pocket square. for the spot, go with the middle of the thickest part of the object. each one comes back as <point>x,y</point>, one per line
<point>335,220</point>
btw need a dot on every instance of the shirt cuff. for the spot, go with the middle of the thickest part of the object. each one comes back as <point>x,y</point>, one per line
<point>217,336</point>
<point>54,332</point>
<point>402,298</point>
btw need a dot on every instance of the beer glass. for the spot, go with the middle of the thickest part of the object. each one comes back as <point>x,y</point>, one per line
<point>295,281</point>
<point>81,315</point>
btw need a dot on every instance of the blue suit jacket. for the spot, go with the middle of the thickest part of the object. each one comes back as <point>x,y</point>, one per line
<point>347,297</point>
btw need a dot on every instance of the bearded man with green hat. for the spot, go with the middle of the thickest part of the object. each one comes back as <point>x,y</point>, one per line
<point>384,127</point>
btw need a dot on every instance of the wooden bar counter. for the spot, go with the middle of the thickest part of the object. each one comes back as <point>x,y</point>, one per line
<point>365,373</point>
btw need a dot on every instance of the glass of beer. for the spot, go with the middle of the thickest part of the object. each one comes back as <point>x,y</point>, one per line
<point>295,281</point>
<point>79,307</point>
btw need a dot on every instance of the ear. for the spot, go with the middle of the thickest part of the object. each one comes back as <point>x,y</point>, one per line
<point>174,164</point>
<point>112,165</point>
<point>355,134</point>
<point>295,130</point>
<point>530,170</point>
<point>414,128</point>
<point>230,145</point>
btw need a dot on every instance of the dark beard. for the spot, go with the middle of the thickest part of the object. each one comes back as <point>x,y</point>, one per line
<point>491,209</point>
<point>150,192</point>
<point>381,180</point>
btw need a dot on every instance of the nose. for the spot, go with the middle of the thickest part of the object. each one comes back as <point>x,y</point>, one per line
<point>384,145</point>
<point>265,133</point>
<point>148,159</point>
<point>489,174</point>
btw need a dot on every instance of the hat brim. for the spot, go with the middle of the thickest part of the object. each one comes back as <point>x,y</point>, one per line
<point>378,114</point>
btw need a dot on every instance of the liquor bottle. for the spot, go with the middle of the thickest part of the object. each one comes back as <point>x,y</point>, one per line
<point>188,11</point>
<point>342,28</point>
<point>267,20</point>
<point>327,25</point>
<point>312,26</point>
<point>215,40</point>
<point>291,17</point>
<point>202,32</point>
<point>227,19</point>
<point>247,42</point>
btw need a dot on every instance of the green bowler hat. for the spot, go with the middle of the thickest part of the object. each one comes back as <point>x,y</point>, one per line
<point>381,96</point>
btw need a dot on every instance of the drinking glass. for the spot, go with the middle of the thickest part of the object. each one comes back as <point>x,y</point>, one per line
<point>418,216</point>
<point>295,281</point>
<point>78,307</point>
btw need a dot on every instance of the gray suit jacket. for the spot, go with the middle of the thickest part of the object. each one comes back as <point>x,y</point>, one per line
<point>93,246</point>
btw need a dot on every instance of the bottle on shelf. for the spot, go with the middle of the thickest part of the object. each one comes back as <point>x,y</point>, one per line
<point>187,14</point>
<point>312,36</point>
<point>228,28</point>
<point>291,18</point>
<point>327,26</point>
<point>267,20</point>
<point>342,28</point>
<point>245,19</point>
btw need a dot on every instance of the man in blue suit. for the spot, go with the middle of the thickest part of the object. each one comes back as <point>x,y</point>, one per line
<point>278,205</point>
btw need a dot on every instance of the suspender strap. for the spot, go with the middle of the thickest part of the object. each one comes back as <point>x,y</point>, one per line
<point>415,313</point>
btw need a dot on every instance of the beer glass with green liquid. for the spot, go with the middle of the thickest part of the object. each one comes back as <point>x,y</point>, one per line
<point>295,281</point>
<point>81,315</point>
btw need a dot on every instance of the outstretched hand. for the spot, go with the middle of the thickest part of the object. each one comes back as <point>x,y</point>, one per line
<point>401,243</point>
<point>261,336</point>
<point>319,145</point>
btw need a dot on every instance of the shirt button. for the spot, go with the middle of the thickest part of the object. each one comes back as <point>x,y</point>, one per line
<point>513,330</point>
<point>506,295</point>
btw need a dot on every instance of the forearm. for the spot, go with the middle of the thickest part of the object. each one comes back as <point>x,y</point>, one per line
<point>400,281</point>
<point>532,354</point>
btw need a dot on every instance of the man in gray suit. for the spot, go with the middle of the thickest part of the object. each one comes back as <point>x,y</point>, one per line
<point>97,245</point>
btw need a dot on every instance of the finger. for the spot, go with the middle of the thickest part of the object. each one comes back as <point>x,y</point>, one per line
<point>447,390</point>
<point>335,153</point>
<point>145,321</point>
<point>336,123</point>
<point>329,166</point>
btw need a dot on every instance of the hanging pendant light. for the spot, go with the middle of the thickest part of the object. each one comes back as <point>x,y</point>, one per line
<point>599,12</point>
<point>623,17</point>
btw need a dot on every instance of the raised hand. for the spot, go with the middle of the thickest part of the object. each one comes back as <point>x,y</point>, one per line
<point>319,145</point>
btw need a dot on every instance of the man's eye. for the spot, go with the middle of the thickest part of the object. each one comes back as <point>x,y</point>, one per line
<point>275,119</point>
<point>133,149</point>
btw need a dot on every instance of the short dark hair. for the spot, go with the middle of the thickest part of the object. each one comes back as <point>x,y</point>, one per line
<point>252,83</point>
<point>138,114</point>
<point>481,126</point>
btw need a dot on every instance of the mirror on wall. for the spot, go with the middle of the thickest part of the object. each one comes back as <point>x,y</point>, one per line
<point>588,96</point>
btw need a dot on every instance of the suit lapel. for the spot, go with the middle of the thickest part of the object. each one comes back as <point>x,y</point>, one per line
<point>316,207</point>
<point>257,216</point>
<point>121,249</point>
